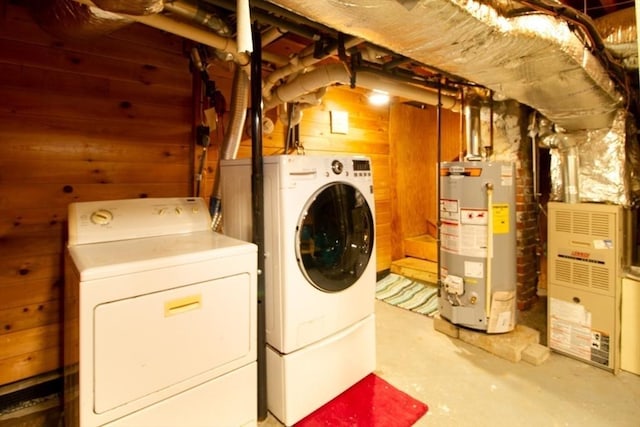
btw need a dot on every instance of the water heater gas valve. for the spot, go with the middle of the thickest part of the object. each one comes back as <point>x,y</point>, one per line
<point>454,284</point>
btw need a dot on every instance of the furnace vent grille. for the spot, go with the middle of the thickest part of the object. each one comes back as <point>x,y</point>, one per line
<point>584,246</point>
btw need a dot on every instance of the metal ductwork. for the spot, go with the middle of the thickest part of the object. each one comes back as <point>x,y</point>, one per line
<point>131,7</point>
<point>619,34</point>
<point>535,58</point>
<point>69,19</point>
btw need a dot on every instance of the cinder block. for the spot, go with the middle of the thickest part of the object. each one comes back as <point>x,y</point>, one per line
<point>536,354</point>
<point>444,326</point>
<point>509,345</point>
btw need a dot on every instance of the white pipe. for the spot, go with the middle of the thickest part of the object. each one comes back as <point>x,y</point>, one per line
<point>489,248</point>
<point>308,82</point>
<point>338,73</point>
<point>200,35</point>
<point>297,63</point>
<point>410,91</point>
<point>271,35</point>
<point>196,34</point>
<point>245,42</point>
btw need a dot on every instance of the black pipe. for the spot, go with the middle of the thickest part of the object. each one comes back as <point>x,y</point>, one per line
<point>257,199</point>
<point>300,25</point>
<point>438,189</point>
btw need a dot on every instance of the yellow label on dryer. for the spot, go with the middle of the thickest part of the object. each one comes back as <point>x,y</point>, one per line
<point>182,305</point>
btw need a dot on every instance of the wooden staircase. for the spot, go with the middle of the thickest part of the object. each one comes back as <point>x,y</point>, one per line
<point>421,259</point>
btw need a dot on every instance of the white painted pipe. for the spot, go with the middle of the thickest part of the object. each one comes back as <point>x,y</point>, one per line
<point>338,73</point>
<point>271,35</point>
<point>200,35</point>
<point>243,31</point>
<point>299,62</point>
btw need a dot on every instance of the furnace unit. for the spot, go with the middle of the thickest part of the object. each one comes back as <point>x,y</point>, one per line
<point>586,255</point>
<point>478,245</point>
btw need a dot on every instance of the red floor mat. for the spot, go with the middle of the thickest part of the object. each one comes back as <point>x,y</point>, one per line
<point>371,402</point>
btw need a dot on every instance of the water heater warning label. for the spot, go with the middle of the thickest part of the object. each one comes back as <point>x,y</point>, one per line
<point>500,218</point>
<point>474,216</point>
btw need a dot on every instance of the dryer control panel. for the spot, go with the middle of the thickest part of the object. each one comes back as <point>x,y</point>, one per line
<point>111,220</point>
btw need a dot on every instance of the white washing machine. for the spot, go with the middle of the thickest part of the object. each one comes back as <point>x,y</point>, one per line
<point>320,273</point>
<point>160,317</point>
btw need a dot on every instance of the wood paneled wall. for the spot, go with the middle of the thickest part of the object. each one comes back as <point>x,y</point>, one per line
<point>414,157</point>
<point>107,118</point>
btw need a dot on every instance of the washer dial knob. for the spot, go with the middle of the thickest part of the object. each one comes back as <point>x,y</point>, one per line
<point>337,167</point>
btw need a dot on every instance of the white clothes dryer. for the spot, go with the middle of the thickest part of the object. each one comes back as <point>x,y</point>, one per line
<point>320,273</point>
<point>160,317</point>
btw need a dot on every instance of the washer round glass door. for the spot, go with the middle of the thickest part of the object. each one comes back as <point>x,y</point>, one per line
<point>334,237</point>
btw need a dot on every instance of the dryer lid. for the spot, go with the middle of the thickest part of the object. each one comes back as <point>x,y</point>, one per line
<point>109,259</point>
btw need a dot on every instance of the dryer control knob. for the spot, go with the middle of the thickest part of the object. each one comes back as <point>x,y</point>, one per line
<point>101,217</point>
<point>337,167</point>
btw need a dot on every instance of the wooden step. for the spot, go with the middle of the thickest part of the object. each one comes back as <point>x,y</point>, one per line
<point>416,269</point>
<point>422,247</point>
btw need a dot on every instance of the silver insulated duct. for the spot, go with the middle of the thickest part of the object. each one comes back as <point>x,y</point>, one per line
<point>534,58</point>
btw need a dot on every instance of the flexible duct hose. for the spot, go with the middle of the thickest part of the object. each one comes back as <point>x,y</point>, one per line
<point>232,138</point>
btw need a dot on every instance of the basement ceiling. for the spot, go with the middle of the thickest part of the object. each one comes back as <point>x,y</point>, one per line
<point>548,55</point>
<point>540,53</point>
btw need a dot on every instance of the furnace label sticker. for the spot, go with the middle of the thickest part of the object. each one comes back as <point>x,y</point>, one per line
<point>570,328</point>
<point>603,244</point>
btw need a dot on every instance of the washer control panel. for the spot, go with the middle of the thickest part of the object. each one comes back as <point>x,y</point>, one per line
<point>111,220</point>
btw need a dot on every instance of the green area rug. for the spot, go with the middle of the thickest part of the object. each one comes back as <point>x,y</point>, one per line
<point>414,295</point>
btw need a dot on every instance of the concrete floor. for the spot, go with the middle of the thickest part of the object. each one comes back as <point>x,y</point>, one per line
<point>466,386</point>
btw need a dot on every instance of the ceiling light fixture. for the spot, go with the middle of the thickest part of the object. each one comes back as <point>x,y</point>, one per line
<point>378,97</point>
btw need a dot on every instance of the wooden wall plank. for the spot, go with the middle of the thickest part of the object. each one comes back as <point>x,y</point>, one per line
<point>52,81</point>
<point>18,268</point>
<point>90,172</point>
<point>24,365</point>
<point>26,54</point>
<point>59,195</point>
<point>29,293</point>
<point>92,136</point>
<point>92,109</point>
<point>29,340</point>
<point>29,316</point>
<point>39,221</point>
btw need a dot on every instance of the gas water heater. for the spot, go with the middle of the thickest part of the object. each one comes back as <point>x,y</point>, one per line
<point>478,245</point>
